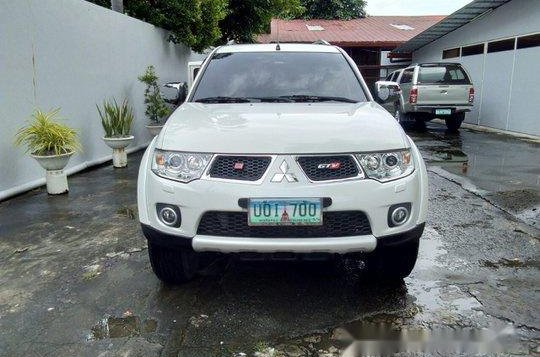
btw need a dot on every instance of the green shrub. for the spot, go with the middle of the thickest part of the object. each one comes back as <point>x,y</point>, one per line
<point>44,136</point>
<point>116,119</point>
<point>156,108</point>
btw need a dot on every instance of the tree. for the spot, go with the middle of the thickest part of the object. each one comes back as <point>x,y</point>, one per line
<point>200,24</point>
<point>247,18</point>
<point>334,9</point>
<point>191,22</point>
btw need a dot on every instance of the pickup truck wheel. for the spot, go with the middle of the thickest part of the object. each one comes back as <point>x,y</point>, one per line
<point>173,265</point>
<point>453,123</point>
<point>392,262</point>
<point>399,115</point>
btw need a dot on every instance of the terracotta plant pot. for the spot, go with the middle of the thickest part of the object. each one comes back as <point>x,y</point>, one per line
<point>118,145</point>
<point>55,176</point>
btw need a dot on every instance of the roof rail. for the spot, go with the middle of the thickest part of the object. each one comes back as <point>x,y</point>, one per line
<point>321,42</point>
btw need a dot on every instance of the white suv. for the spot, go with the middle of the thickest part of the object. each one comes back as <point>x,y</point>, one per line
<point>280,151</point>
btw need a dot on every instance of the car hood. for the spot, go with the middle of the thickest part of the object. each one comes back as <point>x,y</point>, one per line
<point>281,128</point>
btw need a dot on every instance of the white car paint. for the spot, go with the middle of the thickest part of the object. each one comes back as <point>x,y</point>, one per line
<point>277,128</point>
<point>282,130</point>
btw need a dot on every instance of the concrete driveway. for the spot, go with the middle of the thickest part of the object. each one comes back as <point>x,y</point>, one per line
<point>75,278</point>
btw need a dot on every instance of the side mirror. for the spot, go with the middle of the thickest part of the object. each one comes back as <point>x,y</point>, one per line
<point>387,90</point>
<point>174,92</point>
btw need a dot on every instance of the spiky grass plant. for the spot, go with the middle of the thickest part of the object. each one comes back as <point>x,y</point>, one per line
<point>44,136</point>
<point>116,119</point>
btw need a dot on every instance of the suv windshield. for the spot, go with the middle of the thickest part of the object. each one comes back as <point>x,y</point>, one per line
<point>447,74</point>
<point>278,76</point>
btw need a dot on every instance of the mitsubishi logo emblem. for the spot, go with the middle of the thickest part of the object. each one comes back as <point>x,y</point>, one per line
<point>284,174</point>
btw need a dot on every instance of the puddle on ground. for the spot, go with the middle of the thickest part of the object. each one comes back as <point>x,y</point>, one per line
<point>115,327</point>
<point>443,154</point>
<point>511,263</point>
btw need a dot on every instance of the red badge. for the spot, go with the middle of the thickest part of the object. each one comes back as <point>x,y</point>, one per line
<point>335,165</point>
<point>238,165</point>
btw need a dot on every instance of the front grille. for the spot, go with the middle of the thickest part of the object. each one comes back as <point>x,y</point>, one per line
<point>235,224</point>
<point>310,164</point>
<point>252,167</point>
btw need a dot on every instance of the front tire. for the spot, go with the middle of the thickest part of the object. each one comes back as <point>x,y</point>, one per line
<point>173,265</point>
<point>453,123</point>
<point>392,262</point>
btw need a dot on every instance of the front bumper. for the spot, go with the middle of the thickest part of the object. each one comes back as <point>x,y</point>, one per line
<point>200,196</point>
<point>342,245</point>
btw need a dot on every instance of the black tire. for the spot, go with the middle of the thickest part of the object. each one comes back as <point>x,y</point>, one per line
<point>392,262</point>
<point>399,115</point>
<point>420,121</point>
<point>453,123</point>
<point>173,265</point>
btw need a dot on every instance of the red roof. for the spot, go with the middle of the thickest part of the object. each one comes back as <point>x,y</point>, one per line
<point>373,31</point>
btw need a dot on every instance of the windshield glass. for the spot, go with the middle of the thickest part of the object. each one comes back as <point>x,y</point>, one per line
<point>448,74</point>
<point>278,76</point>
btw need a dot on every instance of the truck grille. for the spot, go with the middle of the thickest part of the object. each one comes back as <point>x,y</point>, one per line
<point>311,165</point>
<point>247,168</point>
<point>235,224</point>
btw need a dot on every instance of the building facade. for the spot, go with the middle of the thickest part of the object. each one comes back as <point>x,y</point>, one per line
<point>500,48</point>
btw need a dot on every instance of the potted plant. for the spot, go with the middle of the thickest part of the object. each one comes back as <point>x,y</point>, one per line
<point>156,108</point>
<point>116,121</point>
<point>51,144</point>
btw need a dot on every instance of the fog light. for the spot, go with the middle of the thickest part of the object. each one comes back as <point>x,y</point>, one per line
<point>169,215</point>
<point>398,214</point>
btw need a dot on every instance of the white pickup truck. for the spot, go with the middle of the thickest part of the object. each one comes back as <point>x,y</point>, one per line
<point>430,90</point>
<point>280,151</point>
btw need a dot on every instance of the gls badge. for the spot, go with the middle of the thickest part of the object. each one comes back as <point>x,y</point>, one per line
<point>284,174</point>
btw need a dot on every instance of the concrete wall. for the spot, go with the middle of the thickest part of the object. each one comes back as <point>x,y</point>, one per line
<point>73,54</point>
<point>506,83</point>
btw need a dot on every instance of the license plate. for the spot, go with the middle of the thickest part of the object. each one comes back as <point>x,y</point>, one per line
<point>285,211</point>
<point>443,111</point>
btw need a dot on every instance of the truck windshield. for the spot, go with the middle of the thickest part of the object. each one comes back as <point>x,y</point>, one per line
<point>278,77</point>
<point>446,74</point>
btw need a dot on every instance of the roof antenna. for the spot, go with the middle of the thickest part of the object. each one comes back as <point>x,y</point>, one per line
<point>277,35</point>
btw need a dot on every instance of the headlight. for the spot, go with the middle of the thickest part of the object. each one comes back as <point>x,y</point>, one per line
<point>387,166</point>
<point>179,166</point>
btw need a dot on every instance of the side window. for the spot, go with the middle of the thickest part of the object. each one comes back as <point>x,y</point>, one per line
<point>389,77</point>
<point>456,75</point>
<point>394,76</point>
<point>407,75</point>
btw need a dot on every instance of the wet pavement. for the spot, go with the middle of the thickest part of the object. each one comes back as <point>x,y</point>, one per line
<point>75,278</point>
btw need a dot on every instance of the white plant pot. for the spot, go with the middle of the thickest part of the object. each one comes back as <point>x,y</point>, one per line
<point>55,176</point>
<point>119,153</point>
<point>154,129</point>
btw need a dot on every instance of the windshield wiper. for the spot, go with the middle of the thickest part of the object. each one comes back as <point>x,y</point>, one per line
<point>317,98</point>
<point>281,99</point>
<point>224,100</point>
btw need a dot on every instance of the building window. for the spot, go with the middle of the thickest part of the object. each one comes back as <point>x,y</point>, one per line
<point>528,41</point>
<point>450,53</point>
<point>503,45</point>
<point>472,50</point>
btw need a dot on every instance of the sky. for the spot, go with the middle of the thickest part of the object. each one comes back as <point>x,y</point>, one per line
<point>414,7</point>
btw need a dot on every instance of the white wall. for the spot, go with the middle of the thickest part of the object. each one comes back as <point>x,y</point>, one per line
<point>83,54</point>
<point>506,83</point>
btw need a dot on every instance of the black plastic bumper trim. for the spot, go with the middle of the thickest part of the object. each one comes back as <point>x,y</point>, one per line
<point>396,239</point>
<point>163,239</point>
